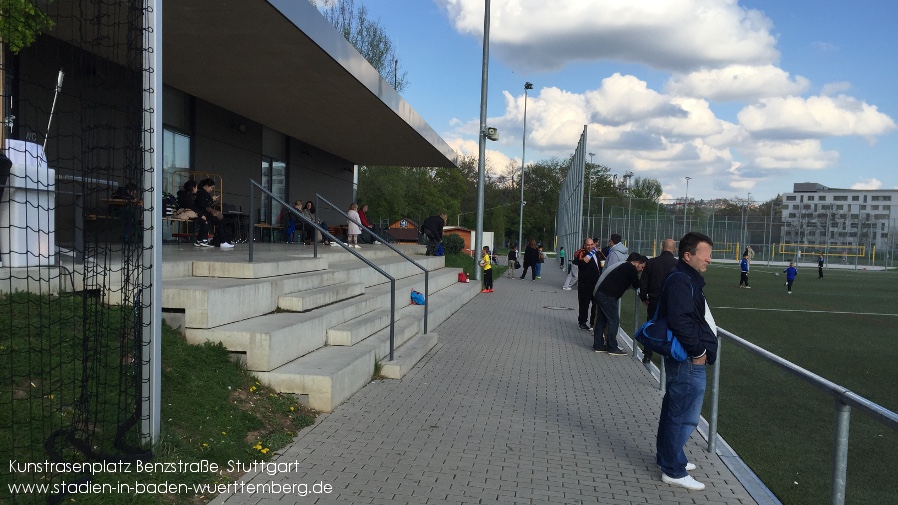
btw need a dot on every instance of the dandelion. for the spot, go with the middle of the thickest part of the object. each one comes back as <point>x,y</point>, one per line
<point>265,450</point>
<point>205,444</point>
<point>292,409</point>
<point>258,446</point>
<point>224,433</point>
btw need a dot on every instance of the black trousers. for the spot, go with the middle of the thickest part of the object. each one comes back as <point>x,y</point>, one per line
<point>743,279</point>
<point>584,299</point>
<point>488,279</point>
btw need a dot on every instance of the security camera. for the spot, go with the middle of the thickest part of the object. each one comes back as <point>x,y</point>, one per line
<point>492,133</point>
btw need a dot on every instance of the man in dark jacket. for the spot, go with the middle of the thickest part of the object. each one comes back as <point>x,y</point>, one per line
<point>616,280</point>
<point>656,270</point>
<point>587,275</point>
<point>432,228</point>
<point>689,318</point>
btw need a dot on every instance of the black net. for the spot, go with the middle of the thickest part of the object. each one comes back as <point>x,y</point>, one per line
<point>73,240</point>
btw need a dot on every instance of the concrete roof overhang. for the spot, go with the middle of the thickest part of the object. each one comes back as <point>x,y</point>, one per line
<point>280,63</point>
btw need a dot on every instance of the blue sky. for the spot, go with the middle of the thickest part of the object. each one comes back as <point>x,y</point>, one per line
<point>744,96</point>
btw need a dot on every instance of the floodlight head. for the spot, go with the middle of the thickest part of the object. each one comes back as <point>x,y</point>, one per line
<point>528,85</point>
<point>492,133</point>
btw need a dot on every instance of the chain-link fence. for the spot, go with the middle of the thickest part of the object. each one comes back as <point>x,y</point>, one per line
<point>643,224</point>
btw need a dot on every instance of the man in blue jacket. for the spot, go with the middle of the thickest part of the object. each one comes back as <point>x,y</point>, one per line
<point>690,320</point>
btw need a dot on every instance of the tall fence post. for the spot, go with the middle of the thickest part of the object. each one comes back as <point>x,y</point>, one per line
<point>840,454</point>
<point>715,402</point>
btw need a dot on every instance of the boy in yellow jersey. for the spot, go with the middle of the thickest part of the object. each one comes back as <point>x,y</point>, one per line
<point>486,263</point>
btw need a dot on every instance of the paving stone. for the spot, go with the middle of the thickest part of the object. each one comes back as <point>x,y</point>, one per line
<point>512,406</point>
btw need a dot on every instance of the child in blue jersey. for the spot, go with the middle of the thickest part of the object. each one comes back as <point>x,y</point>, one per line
<point>743,265</point>
<point>791,272</point>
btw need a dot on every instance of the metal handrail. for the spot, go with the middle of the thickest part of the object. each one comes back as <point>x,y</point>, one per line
<point>324,232</point>
<point>844,401</point>
<point>386,243</point>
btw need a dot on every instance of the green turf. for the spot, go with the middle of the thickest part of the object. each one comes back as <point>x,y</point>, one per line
<point>843,328</point>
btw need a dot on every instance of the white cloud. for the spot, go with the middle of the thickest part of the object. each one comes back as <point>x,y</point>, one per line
<point>496,162</point>
<point>681,35</point>
<point>737,83</point>
<point>814,117</point>
<point>867,184</point>
<point>835,88</point>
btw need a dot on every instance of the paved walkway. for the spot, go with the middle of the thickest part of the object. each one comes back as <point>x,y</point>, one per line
<point>513,407</point>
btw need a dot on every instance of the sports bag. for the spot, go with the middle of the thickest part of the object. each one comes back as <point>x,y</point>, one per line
<point>655,335</point>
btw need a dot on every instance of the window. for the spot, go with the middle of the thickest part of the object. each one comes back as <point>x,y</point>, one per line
<point>790,198</point>
<point>274,179</point>
<point>810,198</point>
<point>855,198</point>
<point>792,215</point>
<point>175,157</point>
<point>821,199</point>
<point>840,198</point>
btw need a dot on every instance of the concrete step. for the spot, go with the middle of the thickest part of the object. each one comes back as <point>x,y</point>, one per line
<point>358,329</point>
<point>273,339</point>
<point>330,375</point>
<point>209,302</point>
<point>257,270</point>
<point>309,299</point>
<point>407,356</point>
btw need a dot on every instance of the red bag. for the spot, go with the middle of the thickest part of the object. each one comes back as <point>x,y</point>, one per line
<point>463,277</point>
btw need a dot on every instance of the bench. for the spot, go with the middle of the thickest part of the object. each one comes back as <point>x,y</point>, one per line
<point>183,228</point>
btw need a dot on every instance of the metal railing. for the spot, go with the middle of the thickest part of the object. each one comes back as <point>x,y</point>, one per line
<point>324,232</point>
<point>844,401</point>
<point>318,201</point>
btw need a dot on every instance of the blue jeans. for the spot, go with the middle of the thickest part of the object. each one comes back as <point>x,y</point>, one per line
<point>607,313</point>
<point>539,268</point>
<point>680,412</point>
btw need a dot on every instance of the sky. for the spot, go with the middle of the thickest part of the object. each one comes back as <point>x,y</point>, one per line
<point>745,97</point>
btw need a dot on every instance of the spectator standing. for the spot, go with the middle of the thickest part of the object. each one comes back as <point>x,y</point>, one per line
<point>531,258</point>
<point>587,262</point>
<point>617,251</point>
<point>539,262</point>
<point>743,267</point>
<point>353,227</point>
<point>820,266</point>
<point>790,272</point>
<point>204,207</point>
<point>561,256</point>
<point>571,277</point>
<point>512,260</point>
<point>432,228</point>
<point>651,281</point>
<point>366,236</point>
<point>689,318</point>
<point>486,263</point>
<point>609,291</point>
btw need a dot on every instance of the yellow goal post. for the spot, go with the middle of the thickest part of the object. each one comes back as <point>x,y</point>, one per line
<point>831,251</point>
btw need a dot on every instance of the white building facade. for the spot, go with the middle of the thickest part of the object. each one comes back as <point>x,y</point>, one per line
<point>818,218</point>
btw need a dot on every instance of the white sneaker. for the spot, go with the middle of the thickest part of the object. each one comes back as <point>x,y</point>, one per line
<point>357,246</point>
<point>690,467</point>
<point>376,242</point>
<point>565,288</point>
<point>688,482</point>
<point>226,245</point>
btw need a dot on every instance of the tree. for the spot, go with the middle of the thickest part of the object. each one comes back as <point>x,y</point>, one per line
<point>367,36</point>
<point>20,24</point>
<point>649,189</point>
